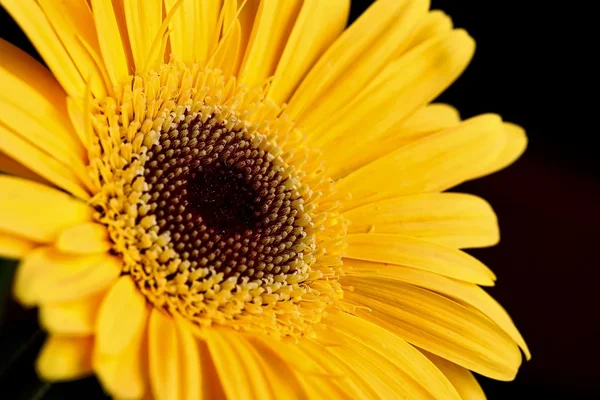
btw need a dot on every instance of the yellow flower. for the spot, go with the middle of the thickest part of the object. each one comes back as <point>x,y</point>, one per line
<point>242,199</point>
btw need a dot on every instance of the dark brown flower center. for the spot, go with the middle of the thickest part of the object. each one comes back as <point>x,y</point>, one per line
<point>226,202</point>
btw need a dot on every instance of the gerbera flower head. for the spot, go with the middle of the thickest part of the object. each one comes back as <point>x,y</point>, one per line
<point>242,199</point>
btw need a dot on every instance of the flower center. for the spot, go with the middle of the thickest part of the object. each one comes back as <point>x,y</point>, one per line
<point>224,201</point>
<point>221,213</point>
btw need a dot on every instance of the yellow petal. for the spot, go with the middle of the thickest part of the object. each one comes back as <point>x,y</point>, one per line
<point>432,164</point>
<point>12,246</point>
<point>88,237</point>
<point>418,376</point>
<point>315,372</point>
<point>74,318</point>
<point>515,145</point>
<point>34,108</point>
<point>450,219</point>
<point>462,379</point>
<point>163,354</point>
<point>339,373</point>
<point>431,118</point>
<point>318,25</point>
<point>359,53</point>
<point>419,254</point>
<point>272,27</point>
<point>246,19</point>
<point>191,366</point>
<point>64,358</point>
<point>74,24</point>
<point>38,131</point>
<point>12,167</point>
<point>206,32</point>
<point>434,24</point>
<point>374,375</point>
<point>237,366</point>
<point>183,29</point>
<point>49,276</point>
<point>36,26</point>
<point>76,110</point>
<point>423,122</point>
<point>121,317</point>
<point>124,375</point>
<point>356,153</point>
<point>144,19</point>
<point>211,387</point>
<point>39,162</point>
<point>36,211</point>
<point>32,99</point>
<point>113,41</point>
<point>400,18</point>
<point>24,74</point>
<point>467,294</point>
<point>226,56</point>
<point>284,382</point>
<point>436,324</point>
<point>401,88</point>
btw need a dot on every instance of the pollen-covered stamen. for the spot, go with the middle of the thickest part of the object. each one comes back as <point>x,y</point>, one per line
<point>225,202</point>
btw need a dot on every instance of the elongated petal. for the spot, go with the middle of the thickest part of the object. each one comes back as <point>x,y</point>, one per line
<point>435,23</point>
<point>423,122</point>
<point>227,54</point>
<point>65,358</point>
<point>317,374</point>
<point>437,324</point>
<point>206,34</point>
<point>32,20</point>
<point>174,359</point>
<point>12,246</point>
<point>375,374</point>
<point>163,356</point>
<point>32,99</point>
<point>432,164</point>
<point>239,367</point>
<point>419,376</point>
<point>284,382</point>
<point>515,144</point>
<point>85,238</point>
<point>192,371</point>
<point>246,18</point>
<point>113,41</point>
<point>34,109</point>
<point>341,373</point>
<point>121,317</point>
<point>358,53</point>
<point>401,88</point>
<point>124,375</point>
<point>143,24</point>
<point>194,29</point>
<point>318,25</point>
<point>451,219</point>
<point>183,29</point>
<point>462,379</point>
<point>465,293</point>
<point>11,167</point>
<point>272,27</point>
<point>39,162</point>
<point>74,318</point>
<point>419,254</point>
<point>49,276</point>
<point>74,25</point>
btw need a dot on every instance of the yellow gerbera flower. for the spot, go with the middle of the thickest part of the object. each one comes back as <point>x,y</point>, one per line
<point>242,199</point>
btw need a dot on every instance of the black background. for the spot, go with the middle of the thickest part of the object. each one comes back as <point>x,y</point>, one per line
<point>530,66</point>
